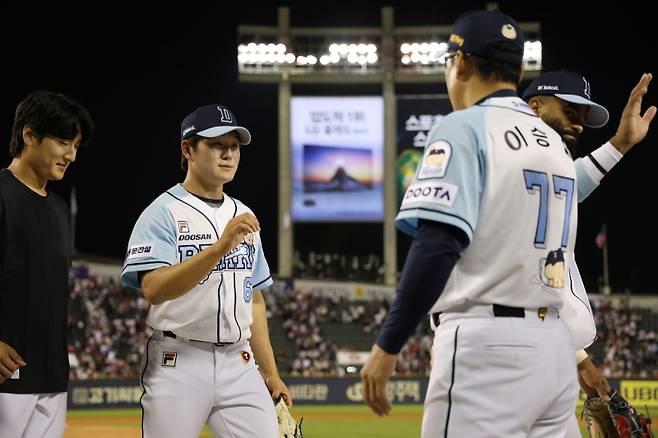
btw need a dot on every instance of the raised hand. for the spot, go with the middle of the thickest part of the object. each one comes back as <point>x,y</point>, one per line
<point>633,126</point>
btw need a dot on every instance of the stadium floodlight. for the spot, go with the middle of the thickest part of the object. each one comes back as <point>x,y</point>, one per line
<point>421,56</point>
<point>328,51</point>
<point>306,54</point>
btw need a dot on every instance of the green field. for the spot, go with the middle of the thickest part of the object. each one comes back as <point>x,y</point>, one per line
<point>328,421</point>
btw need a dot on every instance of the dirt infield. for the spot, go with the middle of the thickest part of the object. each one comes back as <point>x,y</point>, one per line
<point>128,426</point>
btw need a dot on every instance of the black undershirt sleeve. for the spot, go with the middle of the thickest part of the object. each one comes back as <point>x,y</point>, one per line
<point>434,251</point>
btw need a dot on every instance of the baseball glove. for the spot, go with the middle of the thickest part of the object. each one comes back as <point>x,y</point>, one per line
<point>288,427</point>
<point>615,419</point>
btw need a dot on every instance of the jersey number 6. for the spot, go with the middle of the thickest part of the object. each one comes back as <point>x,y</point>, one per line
<point>248,290</point>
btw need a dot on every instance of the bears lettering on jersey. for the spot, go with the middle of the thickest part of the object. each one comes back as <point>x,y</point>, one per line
<point>240,258</point>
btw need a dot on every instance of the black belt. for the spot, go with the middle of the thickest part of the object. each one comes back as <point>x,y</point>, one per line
<point>498,310</point>
<point>169,334</point>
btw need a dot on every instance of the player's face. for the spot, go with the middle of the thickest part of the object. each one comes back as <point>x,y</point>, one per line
<point>564,117</point>
<point>52,156</point>
<point>216,159</point>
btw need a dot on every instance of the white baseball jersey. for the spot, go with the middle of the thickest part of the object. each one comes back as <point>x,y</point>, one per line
<point>505,178</point>
<point>175,227</point>
<point>577,312</point>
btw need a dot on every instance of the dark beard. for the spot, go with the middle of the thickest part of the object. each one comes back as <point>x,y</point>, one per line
<point>572,145</point>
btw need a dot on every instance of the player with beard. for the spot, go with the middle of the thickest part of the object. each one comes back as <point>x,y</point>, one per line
<point>563,99</point>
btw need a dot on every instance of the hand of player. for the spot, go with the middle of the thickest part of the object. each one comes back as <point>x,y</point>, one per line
<point>375,374</point>
<point>633,126</point>
<point>10,361</point>
<point>236,229</point>
<point>277,387</point>
<point>592,381</point>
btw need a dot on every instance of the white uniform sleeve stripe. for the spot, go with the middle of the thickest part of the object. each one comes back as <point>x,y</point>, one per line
<point>601,161</point>
<point>430,214</point>
<point>592,171</point>
<point>261,282</point>
<point>161,263</point>
<point>607,156</point>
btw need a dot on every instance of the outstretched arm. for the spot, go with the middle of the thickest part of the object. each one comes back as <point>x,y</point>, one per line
<point>633,127</point>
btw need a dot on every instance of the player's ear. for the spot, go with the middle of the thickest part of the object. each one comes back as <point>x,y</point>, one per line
<point>29,136</point>
<point>535,105</point>
<point>186,149</point>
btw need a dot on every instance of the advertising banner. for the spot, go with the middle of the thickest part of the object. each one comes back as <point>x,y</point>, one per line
<point>337,159</point>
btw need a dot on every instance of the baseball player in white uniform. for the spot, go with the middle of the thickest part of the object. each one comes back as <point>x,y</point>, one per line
<point>568,115</point>
<point>563,99</point>
<point>197,255</point>
<point>492,222</point>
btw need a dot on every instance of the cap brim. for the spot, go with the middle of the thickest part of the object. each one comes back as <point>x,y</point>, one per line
<point>440,53</point>
<point>597,115</point>
<point>243,134</point>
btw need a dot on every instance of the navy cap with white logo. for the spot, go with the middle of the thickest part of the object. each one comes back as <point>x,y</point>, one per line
<point>482,32</point>
<point>212,121</point>
<point>572,87</point>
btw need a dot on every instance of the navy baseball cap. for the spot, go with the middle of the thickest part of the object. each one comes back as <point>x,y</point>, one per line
<point>212,121</point>
<point>572,87</point>
<point>481,32</point>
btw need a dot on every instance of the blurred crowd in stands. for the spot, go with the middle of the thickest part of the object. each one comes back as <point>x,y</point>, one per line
<point>627,344</point>
<point>107,329</point>
<point>350,267</point>
<point>108,334</point>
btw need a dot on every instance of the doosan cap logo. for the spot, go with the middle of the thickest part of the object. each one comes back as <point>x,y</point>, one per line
<point>587,89</point>
<point>509,32</point>
<point>224,115</point>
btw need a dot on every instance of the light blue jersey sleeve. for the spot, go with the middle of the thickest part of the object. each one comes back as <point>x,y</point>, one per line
<point>586,184</point>
<point>152,243</point>
<point>450,178</point>
<point>261,277</point>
